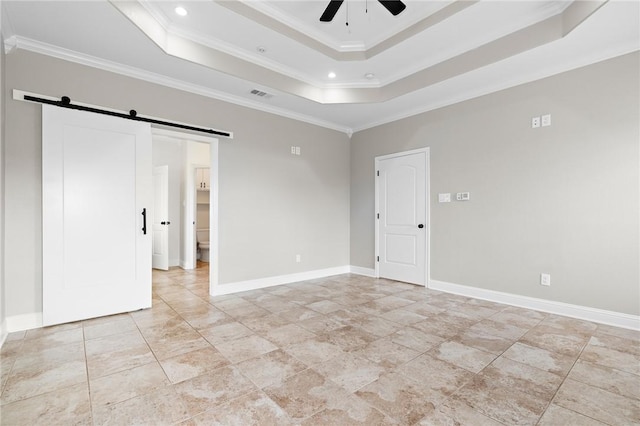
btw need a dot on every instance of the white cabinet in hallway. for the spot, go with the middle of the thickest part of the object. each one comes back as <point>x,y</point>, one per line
<point>203,182</point>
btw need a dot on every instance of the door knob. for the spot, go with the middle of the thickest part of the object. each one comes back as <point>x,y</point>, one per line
<point>421,226</point>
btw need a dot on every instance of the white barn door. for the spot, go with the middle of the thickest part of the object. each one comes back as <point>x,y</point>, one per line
<point>96,184</point>
<point>402,223</point>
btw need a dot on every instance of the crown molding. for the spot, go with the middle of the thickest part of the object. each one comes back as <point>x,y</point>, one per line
<point>150,77</point>
<point>518,79</point>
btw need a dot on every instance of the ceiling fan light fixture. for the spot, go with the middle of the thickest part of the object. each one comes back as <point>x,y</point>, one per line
<point>180,11</point>
<point>331,75</point>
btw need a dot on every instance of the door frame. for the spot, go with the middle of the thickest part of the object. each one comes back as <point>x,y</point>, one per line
<point>427,174</point>
<point>189,231</point>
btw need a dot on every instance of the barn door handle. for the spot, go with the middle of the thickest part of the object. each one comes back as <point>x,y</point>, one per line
<point>163,223</point>
<point>144,221</point>
<point>421,226</point>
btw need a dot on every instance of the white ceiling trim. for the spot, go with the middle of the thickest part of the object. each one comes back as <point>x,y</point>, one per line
<point>535,74</point>
<point>264,14</point>
<point>94,62</point>
<point>541,32</point>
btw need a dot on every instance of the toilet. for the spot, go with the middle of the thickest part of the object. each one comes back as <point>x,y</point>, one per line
<point>202,236</point>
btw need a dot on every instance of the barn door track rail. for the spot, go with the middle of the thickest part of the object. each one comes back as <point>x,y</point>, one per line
<point>65,102</point>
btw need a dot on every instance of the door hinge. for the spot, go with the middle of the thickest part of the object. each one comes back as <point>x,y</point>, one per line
<point>378,172</point>
<point>378,215</point>
<point>378,259</point>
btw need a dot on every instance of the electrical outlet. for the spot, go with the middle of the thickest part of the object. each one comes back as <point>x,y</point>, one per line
<point>462,196</point>
<point>293,150</point>
<point>545,279</point>
<point>297,150</point>
<point>535,122</point>
<point>298,258</point>
<point>546,120</point>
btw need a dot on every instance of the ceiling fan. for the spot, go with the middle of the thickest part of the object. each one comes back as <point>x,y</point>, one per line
<point>393,6</point>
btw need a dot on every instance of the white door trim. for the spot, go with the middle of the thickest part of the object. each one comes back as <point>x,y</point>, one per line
<point>377,161</point>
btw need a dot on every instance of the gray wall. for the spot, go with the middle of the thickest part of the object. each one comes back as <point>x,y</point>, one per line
<point>169,152</point>
<point>2,199</point>
<point>560,199</point>
<point>272,205</point>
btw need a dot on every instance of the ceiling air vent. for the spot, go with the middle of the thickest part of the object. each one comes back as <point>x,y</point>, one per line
<point>261,94</point>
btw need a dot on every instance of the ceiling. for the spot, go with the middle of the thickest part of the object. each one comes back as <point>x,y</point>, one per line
<point>433,54</point>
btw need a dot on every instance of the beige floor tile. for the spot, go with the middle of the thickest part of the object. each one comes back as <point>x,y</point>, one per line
<point>253,409</point>
<point>107,326</point>
<point>320,324</point>
<point>438,327</point>
<point>192,364</point>
<point>623,360</point>
<point>597,403</point>
<point>352,411</point>
<point>511,374</point>
<point>225,332</point>
<point>306,394</point>
<point>415,339</point>
<point>350,371</point>
<point>486,342</point>
<point>386,353</point>
<point>39,342</point>
<point>245,348</point>
<point>402,398</point>
<point>555,340</point>
<point>271,369</point>
<point>403,317</point>
<point>173,345</point>
<point>507,405</point>
<point>501,329</point>
<point>160,407</point>
<point>556,415</point>
<point>349,338</point>
<point>26,383</point>
<point>214,388</point>
<point>540,358</point>
<point>615,381</point>
<point>110,354</point>
<point>288,335</point>
<point>463,356</point>
<point>69,406</point>
<point>400,347</point>
<point>298,314</point>
<point>127,384</point>
<point>456,413</point>
<point>314,351</point>
<point>436,374</point>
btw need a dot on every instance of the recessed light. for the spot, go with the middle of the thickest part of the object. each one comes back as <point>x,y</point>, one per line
<point>369,75</point>
<point>261,49</point>
<point>180,11</point>
<point>332,75</point>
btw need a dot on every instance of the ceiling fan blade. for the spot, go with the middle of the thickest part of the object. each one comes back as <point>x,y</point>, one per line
<point>331,10</point>
<point>393,6</point>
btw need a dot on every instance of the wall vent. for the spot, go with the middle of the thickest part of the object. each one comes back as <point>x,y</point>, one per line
<point>261,94</point>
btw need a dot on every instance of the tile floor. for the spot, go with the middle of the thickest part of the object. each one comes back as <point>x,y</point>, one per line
<point>345,350</point>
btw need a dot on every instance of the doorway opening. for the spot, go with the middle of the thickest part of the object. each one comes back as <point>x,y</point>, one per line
<point>192,199</point>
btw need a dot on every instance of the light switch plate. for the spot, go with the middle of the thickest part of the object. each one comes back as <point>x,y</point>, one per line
<point>444,197</point>
<point>462,196</point>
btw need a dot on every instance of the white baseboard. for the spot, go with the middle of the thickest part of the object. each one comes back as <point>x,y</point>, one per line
<point>3,332</point>
<point>259,283</point>
<point>359,270</point>
<point>601,316</point>
<point>24,322</point>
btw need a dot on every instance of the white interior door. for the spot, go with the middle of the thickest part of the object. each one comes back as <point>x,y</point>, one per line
<point>96,179</point>
<point>402,223</point>
<point>160,223</point>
